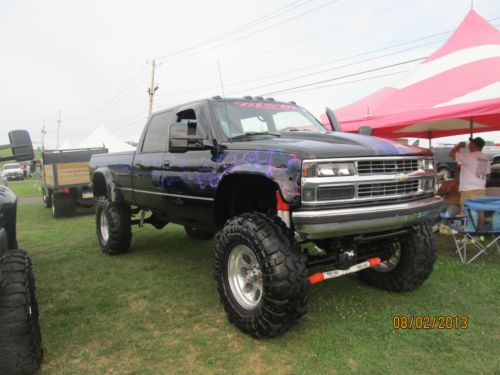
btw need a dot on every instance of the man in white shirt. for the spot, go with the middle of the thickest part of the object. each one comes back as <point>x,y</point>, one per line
<point>474,170</point>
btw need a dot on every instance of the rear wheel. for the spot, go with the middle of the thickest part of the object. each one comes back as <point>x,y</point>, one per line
<point>409,264</point>
<point>47,199</point>
<point>20,339</point>
<point>198,234</point>
<point>63,205</point>
<point>261,275</point>
<point>113,226</point>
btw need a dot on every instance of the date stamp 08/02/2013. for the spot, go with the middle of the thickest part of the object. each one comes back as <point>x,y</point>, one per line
<point>430,322</point>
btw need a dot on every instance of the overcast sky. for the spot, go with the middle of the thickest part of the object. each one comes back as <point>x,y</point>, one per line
<point>88,58</point>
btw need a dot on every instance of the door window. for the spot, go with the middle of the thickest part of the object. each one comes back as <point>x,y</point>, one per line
<point>157,134</point>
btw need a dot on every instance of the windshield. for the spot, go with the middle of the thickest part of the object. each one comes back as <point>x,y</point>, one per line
<point>237,118</point>
<point>11,166</point>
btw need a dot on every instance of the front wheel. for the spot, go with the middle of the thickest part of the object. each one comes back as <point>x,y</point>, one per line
<point>113,226</point>
<point>261,275</point>
<point>409,263</point>
<point>20,338</point>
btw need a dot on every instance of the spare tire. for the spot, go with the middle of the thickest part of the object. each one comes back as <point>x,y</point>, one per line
<point>20,339</point>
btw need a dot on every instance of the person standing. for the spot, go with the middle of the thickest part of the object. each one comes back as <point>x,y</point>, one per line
<point>474,170</point>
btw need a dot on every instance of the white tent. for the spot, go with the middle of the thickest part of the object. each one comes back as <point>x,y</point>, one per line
<point>102,137</point>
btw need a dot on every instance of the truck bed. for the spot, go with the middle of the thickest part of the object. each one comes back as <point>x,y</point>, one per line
<point>64,168</point>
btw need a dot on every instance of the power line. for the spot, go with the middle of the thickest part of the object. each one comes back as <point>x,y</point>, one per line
<point>305,68</point>
<point>345,76</point>
<point>118,96</point>
<point>131,122</point>
<point>251,34</point>
<point>348,82</point>
<point>238,29</point>
<point>324,70</point>
<point>327,63</point>
<point>275,50</point>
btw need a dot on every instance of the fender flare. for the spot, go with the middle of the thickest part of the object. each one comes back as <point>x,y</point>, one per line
<point>103,183</point>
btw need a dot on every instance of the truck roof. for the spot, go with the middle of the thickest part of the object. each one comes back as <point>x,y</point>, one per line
<point>218,98</point>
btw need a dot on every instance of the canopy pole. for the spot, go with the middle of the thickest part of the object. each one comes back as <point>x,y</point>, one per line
<point>471,126</point>
<point>429,136</point>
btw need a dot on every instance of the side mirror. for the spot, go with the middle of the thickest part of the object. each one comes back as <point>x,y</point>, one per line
<point>333,120</point>
<point>22,148</point>
<point>20,145</point>
<point>180,141</point>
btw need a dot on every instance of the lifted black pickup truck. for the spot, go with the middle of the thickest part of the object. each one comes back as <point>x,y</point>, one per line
<point>284,195</point>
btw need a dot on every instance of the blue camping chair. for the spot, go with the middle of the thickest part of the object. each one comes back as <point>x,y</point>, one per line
<point>482,220</point>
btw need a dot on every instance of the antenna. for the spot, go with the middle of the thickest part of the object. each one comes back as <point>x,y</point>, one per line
<point>224,98</point>
<point>220,78</point>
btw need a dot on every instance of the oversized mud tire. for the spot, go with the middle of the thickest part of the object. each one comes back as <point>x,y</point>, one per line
<point>20,339</point>
<point>47,199</point>
<point>63,205</point>
<point>261,275</point>
<point>198,234</point>
<point>411,264</point>
<point>113,226</point>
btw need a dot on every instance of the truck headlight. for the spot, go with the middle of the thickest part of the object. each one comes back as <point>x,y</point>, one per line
<point>427,164</point>
<point>335,169</point>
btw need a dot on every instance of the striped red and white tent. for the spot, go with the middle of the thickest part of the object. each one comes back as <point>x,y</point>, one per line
<point>454,88</point>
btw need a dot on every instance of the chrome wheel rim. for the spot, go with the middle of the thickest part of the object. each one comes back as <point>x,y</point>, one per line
<point>104,226</point>
<point>245,277</point>
<point>391,263</point>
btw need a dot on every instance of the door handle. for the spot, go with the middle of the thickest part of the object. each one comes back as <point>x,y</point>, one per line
<point>166,163</point>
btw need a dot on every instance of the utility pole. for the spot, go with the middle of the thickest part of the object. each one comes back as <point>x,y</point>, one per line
<point>58,129</point>
<point>44,131</point>
<point>152,89</point>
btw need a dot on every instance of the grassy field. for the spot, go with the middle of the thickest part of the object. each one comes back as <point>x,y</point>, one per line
<point>27,188</point>
<point>156,310</point>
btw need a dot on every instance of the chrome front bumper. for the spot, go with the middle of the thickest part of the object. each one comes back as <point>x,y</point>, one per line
<point>316,224</point>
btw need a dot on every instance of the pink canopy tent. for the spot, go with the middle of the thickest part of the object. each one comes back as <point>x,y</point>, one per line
<point>455,88</point>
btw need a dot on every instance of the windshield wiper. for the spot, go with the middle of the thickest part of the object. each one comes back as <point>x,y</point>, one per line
<point>250,134</point>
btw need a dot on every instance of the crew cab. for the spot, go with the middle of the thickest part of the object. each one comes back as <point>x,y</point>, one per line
<point>291,203</point>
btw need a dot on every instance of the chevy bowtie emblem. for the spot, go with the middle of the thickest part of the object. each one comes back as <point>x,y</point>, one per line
<point>401,177</point>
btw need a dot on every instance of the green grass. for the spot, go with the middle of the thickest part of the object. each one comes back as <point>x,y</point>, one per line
<point>27,188</point>
<point>4,153</point>
<point>156,310</point>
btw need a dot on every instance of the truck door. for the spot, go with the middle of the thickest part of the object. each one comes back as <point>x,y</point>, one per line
<point>147,173</point>
<point>190,178</point>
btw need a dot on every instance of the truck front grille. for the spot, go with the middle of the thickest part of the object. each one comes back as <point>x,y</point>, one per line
<point>367,180</point>
<point>387,189</point>
<point>367,167</point>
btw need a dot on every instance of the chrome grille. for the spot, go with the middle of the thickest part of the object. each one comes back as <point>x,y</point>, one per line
<point>387,189</point>
<point>366,167</point>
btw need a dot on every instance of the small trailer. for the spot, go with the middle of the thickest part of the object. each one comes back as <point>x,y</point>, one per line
<point>65,179</point>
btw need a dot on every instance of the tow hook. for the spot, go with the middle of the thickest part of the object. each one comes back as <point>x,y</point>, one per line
<point>321,276</point>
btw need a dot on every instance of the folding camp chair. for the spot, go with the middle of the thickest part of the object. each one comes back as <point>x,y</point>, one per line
<point>482,220</point>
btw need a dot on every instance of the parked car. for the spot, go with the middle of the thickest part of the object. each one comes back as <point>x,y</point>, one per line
<point>448,166</point>
<point>286,197</point>
<point>65,180</point>
<point>13,171</point>
<point>20,338</point>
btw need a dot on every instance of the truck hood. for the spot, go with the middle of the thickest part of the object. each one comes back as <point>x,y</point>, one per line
<point>327,145</point>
